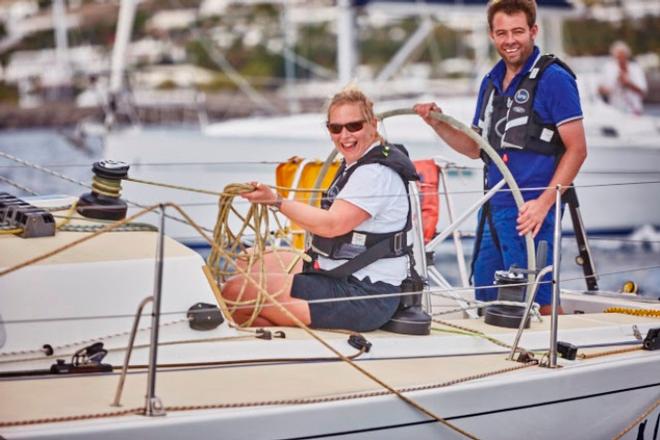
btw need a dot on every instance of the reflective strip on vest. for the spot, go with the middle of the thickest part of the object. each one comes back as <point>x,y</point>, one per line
<point>484,123</point>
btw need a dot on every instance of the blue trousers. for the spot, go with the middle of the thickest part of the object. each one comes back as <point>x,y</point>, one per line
<point>513,251</point>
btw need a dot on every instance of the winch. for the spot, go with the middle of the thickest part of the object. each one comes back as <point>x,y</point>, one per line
<point>410,318</point>
<point>104,201</point>
<point>512,285</point>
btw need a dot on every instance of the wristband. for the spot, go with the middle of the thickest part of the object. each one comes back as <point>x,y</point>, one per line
<point>277,204</point>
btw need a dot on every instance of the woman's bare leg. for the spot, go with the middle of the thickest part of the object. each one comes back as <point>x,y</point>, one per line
<point>279,286</point>
<point>260,321</point>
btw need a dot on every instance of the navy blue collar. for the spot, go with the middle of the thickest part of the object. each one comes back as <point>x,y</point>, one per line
<point>496,75</point>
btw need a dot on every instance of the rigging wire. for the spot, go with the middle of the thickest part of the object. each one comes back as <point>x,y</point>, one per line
<point>10,182</point>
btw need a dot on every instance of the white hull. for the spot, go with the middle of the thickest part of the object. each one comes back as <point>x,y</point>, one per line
<point>584,402</point>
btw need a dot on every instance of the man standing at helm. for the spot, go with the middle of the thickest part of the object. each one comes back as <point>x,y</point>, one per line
<point>529,110</point>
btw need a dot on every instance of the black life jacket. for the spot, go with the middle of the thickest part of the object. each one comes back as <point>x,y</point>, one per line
<point>516,126</point>
<point>507,122</point>
<point>362,248</point>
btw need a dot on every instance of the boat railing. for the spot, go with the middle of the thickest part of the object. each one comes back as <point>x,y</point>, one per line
<point>556,262</point>
<point>129,350</point>
<point>153,405</point>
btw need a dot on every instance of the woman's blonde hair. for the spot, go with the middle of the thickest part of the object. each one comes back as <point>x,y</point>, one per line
<point>351,94</point>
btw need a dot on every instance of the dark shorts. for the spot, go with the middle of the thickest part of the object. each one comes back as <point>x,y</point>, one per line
<point>358,315</point>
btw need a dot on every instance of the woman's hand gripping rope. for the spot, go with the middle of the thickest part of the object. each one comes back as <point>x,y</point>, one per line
<point>262,193</point>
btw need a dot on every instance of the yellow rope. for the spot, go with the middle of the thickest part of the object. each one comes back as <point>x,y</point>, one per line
<point>69,215</point>
<point>106,187</point>
<point>649,313</point>
<point>609,352</point>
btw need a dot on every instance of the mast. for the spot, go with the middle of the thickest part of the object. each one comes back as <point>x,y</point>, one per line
<point>122,38</point>
<point>61,42</point>
<point>346,41</point>
<point>289,58</point>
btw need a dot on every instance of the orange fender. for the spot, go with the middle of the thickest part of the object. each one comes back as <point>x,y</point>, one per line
<point>429,175</point>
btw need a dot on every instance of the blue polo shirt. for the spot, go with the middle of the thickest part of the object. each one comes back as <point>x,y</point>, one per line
<point>557,101</point>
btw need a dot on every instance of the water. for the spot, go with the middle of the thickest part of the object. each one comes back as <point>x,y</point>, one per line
<point>50,149</point>
<point>617,259</point>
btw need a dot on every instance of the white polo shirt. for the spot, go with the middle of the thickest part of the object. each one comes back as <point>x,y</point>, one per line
<point>380,191</point>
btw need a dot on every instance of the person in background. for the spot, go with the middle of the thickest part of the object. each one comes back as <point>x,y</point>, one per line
<point>528,109</point>
<point>623,84</point>
<point>365,208</point>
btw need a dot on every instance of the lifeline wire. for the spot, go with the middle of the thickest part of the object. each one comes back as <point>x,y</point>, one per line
<point>209,192</point>
<point>264,162</point>
<point>434,291</point>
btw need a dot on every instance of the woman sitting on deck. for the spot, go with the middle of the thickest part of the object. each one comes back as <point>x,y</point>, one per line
<point>365,209</point>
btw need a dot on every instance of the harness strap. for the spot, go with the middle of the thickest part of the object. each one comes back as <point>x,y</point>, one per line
<point>477,240</point>
<point>486,215</point>
<point>373,253</point>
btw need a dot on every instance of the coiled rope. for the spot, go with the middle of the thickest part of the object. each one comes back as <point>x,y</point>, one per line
<point>230,249</point>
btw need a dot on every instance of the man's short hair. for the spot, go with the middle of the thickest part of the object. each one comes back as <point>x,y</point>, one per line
<point>510,7</point>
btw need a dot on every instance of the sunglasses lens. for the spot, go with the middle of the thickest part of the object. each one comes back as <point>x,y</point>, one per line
<point>354,126</point>
<point>351,127</point>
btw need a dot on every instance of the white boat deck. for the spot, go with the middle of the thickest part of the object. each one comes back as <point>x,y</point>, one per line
<point>286,381</point>
<point>229,384</point>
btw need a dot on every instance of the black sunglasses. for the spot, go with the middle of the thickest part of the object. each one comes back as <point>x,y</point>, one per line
<point>350,126</point>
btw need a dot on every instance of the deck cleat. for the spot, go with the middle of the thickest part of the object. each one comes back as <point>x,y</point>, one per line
<point>31,220</point>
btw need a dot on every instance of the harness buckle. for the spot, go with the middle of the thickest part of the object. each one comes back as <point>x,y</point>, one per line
<point>398,242</point>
